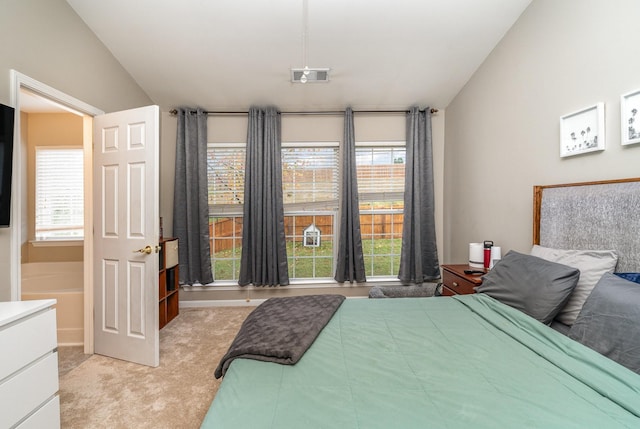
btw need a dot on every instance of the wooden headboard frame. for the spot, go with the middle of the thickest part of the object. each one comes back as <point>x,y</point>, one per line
<point>611,211</point>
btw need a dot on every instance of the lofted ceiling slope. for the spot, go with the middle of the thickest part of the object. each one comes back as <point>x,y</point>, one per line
<point>230,54</point>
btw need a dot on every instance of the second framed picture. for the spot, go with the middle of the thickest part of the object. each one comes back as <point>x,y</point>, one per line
<point>629,110</point>
<point>582,131</point>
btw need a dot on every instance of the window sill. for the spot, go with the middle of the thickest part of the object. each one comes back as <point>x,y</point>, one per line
<point>57,243</point>
<point>299,284</point>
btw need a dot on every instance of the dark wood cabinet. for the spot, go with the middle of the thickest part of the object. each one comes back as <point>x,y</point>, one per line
<point>168,286</point>
<point>456,282</point>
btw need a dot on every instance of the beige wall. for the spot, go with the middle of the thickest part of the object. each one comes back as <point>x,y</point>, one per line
<point>502,129</point>
<point>48,129</point>
<point>295,128</point>
<point>47,41</point>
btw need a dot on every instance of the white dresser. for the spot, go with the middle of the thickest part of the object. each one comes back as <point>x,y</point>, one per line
<point>29,365</point>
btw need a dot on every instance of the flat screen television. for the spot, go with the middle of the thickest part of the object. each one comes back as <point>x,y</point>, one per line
<point>7,116</point>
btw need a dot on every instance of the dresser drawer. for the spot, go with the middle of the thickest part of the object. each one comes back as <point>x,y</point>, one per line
<point>27,341</point>
<point>456,284</point>
<point>48,416</point>
<point>28,389</point>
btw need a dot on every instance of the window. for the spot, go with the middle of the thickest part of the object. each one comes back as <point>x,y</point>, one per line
<point>380,169</point>
<point>59,196</point>
<point>310,195</point>
<point>225,170</point>
<point>225,234</point>
<point>310,173</point>
<point>59,183</point>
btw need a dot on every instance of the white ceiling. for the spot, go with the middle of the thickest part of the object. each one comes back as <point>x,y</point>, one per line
<point>231,54</point>
<point>31,102</point>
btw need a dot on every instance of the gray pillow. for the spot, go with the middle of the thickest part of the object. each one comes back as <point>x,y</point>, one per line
<point>592,265</point>
<point>533,285</point>
<point>609,322</point>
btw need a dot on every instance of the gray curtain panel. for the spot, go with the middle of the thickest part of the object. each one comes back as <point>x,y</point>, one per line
<point>419,255</point>
<point>190,198</point>
<point>264,255</point>
<point>350,262</point>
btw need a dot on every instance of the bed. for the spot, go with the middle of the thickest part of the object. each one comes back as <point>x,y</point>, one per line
<point>512,355</point>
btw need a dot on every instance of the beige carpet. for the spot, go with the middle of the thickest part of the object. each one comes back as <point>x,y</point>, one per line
<point>107,393</point>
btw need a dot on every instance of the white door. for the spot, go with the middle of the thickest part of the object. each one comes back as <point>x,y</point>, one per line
<point>126,218</point>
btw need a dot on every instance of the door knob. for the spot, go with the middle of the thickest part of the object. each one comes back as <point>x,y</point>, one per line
<point>147,250</point>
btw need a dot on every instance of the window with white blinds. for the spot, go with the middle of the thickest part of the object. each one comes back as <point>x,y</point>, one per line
<point>310,184</point>
<point>225,175</point>
<point>59,182</point>
<point>310,195</point>
<point>381,170</point>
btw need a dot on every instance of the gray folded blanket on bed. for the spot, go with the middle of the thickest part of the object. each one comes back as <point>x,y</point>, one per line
<point>281,329</point>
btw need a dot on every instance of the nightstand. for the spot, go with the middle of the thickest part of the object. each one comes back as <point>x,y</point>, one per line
<point>456,282</point>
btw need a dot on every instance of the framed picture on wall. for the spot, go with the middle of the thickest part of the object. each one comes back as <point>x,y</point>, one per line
<point>582,131</point>
<point>630,115</point>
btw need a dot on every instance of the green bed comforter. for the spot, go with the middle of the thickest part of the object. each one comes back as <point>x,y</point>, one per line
<point>461,362</point>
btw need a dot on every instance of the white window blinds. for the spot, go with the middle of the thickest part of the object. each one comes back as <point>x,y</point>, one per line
<point>59,195</point>
<point>310,176</point>
<point>380,172</point>
<point>225,172</point>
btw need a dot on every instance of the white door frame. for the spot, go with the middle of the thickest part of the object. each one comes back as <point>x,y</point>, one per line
<point>19,80</point>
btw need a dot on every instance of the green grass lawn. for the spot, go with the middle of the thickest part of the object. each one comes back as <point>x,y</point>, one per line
<point>317,262</point>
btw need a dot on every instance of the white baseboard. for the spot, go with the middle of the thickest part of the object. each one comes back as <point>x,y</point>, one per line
<point>233,302</point>
<point>221,303</point>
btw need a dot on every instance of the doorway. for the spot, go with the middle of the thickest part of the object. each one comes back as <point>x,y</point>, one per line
<point>29,94</point>
<point>51,249</point>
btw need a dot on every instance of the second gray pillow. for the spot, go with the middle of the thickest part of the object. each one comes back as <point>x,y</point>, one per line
<point>533,285</point>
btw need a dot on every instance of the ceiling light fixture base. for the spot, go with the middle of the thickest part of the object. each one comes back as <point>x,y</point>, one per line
<point>310,75</point>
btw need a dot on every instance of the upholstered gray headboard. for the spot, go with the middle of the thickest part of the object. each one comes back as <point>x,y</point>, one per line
<point>591,215</point>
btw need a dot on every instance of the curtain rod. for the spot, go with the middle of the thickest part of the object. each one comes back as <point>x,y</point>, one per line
<point>335,112</point>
